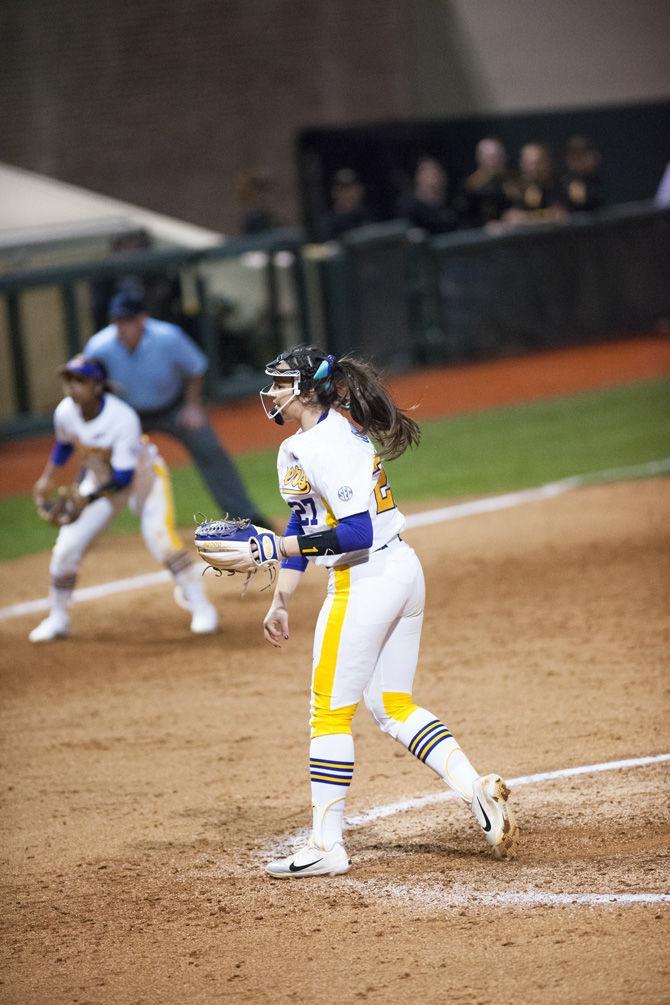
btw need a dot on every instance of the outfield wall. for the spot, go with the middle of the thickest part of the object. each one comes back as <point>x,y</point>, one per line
<point>385,290</point>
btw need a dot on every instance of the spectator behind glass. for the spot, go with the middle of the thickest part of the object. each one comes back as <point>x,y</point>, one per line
<point>581,186</point>
<point>490,190</point>
<point>427,206</point>
<point>539,198</point>
<point>255,192</point>
<point>348,209</point>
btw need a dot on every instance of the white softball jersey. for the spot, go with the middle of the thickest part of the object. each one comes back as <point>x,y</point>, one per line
<point>113,439</point>
<point>332,471</point>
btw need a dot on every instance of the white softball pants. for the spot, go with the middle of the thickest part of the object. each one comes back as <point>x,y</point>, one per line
<point>367,641</point>
<point>149,497</point>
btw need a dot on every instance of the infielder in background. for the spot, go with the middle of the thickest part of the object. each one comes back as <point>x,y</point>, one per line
<point>344,516</point>
<point>120,468</point>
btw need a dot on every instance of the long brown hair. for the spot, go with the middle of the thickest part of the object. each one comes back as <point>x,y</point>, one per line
<point>372,407</point>
<point>355,385</point>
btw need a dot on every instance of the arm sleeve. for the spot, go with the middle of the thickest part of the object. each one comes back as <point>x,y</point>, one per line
<point>61,453</point>
<point>293,528</point>
<point>354,532</point>
<point>118,481</point>
<point>122,478</point>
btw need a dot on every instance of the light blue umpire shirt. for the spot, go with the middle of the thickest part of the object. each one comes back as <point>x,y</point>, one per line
<point>152,377</point>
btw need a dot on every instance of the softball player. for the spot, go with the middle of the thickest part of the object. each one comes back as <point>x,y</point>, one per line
<point>120,468</point>
<point>344,516</point>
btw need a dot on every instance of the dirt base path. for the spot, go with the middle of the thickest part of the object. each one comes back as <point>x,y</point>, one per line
<point>437,391</point>
<point>147,775</point>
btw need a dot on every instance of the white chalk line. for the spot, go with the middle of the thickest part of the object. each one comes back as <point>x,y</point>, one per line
<point>390,809</point>
<point>440,898</point>
<point>445,795</point>
<point>88,593</point>
<point>549,491</point>
<point>454,512</point>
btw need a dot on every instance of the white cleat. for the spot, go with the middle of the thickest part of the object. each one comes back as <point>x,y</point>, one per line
<point>204,620</point>
<point>311,861</point>
<point>494,815</point>
<point>52,628</point>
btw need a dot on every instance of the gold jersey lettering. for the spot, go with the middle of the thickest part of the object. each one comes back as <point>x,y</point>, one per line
<point>295,482</point>
<point>383,494</point>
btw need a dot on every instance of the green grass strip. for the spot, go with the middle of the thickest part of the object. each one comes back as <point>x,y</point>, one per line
<point>493,451</point>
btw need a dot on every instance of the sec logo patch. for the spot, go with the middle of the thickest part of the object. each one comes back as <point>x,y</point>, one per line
<point>344,493</point>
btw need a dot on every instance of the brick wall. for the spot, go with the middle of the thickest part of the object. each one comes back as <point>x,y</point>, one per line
<point>164,104</point>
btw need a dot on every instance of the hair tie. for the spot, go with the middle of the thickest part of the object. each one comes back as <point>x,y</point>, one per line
<point>325,368</point>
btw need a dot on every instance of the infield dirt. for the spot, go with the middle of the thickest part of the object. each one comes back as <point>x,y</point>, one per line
<point>147,774</point>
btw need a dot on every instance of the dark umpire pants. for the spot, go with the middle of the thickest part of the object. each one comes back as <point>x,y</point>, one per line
<point>215,466</point>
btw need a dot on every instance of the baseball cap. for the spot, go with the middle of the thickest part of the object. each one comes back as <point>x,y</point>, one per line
<point>125,305</point>
<point>83,366</point>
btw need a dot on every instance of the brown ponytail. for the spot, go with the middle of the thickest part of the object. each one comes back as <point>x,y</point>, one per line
<point>358,387</point>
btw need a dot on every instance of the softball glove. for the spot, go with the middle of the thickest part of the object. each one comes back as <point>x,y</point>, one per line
<point>230,545</point>
<point>62,506</point>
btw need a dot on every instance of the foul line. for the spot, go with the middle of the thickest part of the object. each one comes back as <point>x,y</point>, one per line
<point>438,898</point>
<point>457,511</point>
<point>549,491</point>
<point>390,809</point>
<point>404,805</point>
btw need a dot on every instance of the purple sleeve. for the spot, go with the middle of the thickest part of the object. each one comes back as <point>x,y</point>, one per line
<point>293,528</point>
<point>122,478</point>
<point>354,532</point>
<point>61,453</point>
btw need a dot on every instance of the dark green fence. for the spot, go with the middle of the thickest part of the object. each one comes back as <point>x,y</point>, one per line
<point>473,295</point>
<point>384,290</point>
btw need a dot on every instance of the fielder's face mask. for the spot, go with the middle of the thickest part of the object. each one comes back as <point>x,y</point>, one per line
<point>303,366</point>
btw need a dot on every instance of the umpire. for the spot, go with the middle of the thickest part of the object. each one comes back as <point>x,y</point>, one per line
<point>159,370</point>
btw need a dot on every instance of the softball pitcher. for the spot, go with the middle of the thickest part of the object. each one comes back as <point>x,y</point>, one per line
<point>120,468</point>
<point>344,516</point>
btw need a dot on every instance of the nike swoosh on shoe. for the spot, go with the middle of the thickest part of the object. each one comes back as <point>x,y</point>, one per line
<point>487,828</point>
<point>299,868</point>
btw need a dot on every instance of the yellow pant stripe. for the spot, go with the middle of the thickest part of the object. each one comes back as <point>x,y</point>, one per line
<point>325,720</point>
<point>398,705</point>
<point>170,523</point>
